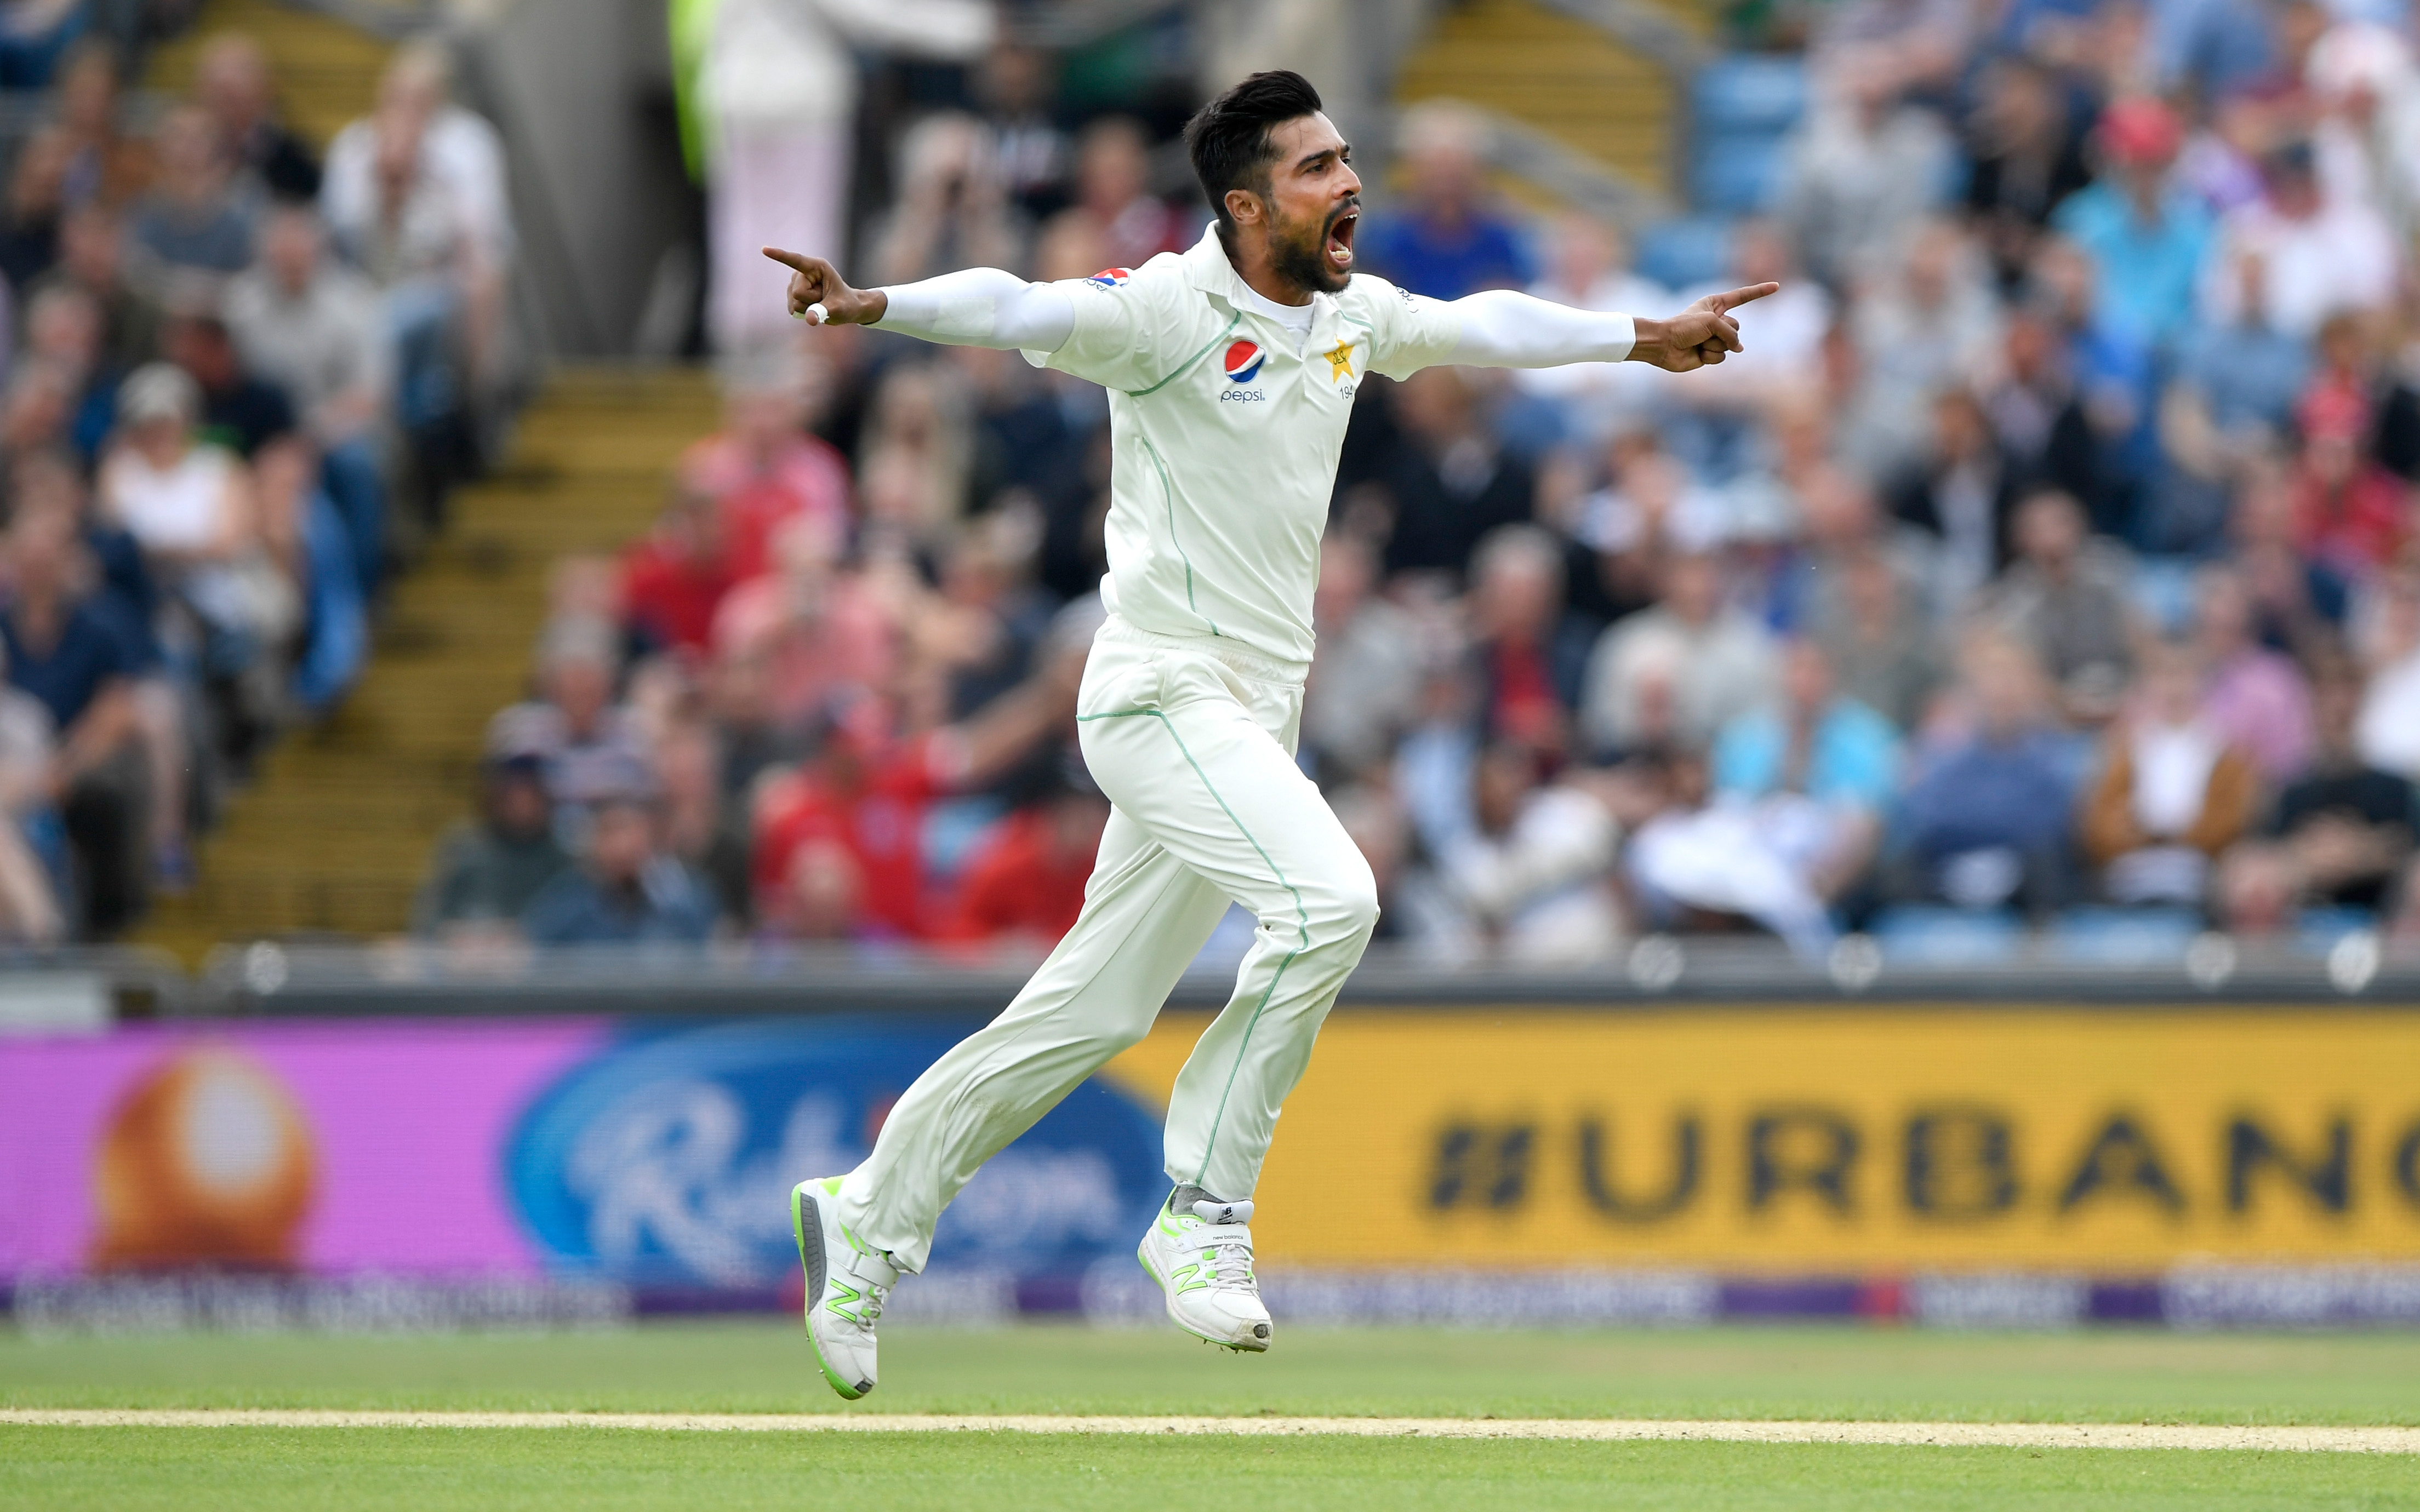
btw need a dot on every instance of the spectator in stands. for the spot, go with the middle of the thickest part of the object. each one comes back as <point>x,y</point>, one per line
<point>1532,656</point>
<point>486,872</point>
<point>1113,199</point>
<point>1591,270</point>
<point>1864,167</point>
<point>2351,358</point>
<point>1879,642</point>
<point>2320,256</point>
<point>414,226</point>
<point>1527,878</point>
<point>90,259</point>
<point>2365,93</point>
<point>36,198</point>
<point>2028,157</point>
<point>1818,770</point>
<point>951,212</point>
<point>701,828</point>
<point>1446,239</point>
<point>628,888</point>
<point>1965,496</point>
<point>591,743</point>
<point>2339,835</point>
<point>2037,412</point>
<point>2388,731</point>
<point>240,411</point>
<point>196,223</point>
<point>2146,239</point>
<point>1025,883</point>
<point>763,468</point>
<point>2065,597</point>
<point>813,628</point>
<point>2256,698</point>
<point>1451,481</point>
<point>673,579</point>
<point>232,82</point>
<point>125,593</point>
<point>1016,87</point>
<point>313,329</point>
<point>2174,792</point>
<point>306,537</point>
<point>1986,820</point>
<point>853,812</point>
<point>1364,687</point>
<point>191,507</point>
<point>2228,403</point>
<point>33,860</point>
<point>2349,512</point>
<point>65,652</point>
<point>453,149</point>
<point>105,166</point>
<point>1673,675</point>
<point>63,335</point>
<point>1931,322</point>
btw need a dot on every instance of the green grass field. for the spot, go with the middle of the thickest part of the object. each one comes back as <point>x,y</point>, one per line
<point>1740,1373</point>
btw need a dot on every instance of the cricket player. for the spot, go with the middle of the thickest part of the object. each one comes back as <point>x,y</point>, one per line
<point>1231,369</point>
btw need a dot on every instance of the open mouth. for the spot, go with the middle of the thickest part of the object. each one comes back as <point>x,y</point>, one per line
<point>1338,246</point>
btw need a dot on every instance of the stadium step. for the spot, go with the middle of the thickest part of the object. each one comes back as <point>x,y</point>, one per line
<point>327,71</point>
<point>1558,75</point>
<point>336,831</point>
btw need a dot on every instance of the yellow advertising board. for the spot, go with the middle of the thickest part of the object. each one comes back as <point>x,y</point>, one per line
<point>1787,1139</point>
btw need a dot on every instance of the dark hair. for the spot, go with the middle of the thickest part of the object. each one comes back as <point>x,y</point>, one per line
<point>1229,137</point>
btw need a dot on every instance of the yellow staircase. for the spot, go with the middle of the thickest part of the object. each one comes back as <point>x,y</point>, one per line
<point>336,831</point>
<point>327,72</point>
<point>1558,75</point>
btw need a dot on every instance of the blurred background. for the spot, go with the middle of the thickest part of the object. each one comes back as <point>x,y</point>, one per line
<point>442,587</point>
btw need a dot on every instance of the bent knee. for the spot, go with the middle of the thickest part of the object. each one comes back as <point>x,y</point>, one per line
<point>1343,908</point>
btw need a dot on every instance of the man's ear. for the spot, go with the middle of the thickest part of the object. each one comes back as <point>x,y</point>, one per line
<point>1243,207</point>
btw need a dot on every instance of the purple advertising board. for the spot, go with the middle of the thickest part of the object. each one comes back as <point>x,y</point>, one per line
<point>640,1153</point>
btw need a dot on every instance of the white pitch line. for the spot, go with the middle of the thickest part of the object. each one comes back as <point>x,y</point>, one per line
<point>2404,1441</point>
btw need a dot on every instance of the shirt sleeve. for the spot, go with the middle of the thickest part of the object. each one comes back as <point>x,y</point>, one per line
<point>1409,331</point>
<point>1130,331</point>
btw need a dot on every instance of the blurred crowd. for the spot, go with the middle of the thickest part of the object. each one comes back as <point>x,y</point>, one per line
<point>238,378</point>
<point>2047,562</point>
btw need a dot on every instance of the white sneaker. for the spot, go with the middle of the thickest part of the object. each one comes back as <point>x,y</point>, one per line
<point>1202,1258</point>
<point>846,1286</point>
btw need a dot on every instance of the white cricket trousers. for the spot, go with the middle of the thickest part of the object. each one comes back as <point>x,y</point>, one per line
<point>1193,744</point>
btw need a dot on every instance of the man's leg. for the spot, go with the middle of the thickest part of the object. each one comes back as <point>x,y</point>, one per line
<point>1145,918</point>
<point>1206,775</point>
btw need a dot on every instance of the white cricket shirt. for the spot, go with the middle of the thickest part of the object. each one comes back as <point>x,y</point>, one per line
<point>1224,431</point>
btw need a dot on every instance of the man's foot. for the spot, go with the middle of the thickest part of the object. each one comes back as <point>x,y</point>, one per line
<point>1200,1251</point>
<point>846,1286</point>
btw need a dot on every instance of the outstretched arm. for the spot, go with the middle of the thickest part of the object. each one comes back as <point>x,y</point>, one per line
<point>1502,329</point>
<point>978,307</point>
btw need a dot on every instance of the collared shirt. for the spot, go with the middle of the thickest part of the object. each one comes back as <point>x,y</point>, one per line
<point>1224,432</point>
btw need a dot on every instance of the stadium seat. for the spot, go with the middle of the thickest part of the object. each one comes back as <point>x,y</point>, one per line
<point>1749,93</point>
<point>1736,175</point>
<point>1686,251</point>
<point>2317,929</point>
<point>1929,935</point>
<point>2096,936</point>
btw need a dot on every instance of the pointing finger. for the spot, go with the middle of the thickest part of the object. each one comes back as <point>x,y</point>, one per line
<point>1738,297</point>
<point>793,260</point>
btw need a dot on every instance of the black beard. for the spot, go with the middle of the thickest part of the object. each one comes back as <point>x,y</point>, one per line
<point>1304,263</point>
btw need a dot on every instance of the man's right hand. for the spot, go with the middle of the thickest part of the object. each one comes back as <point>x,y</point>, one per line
<point>814,281</point>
